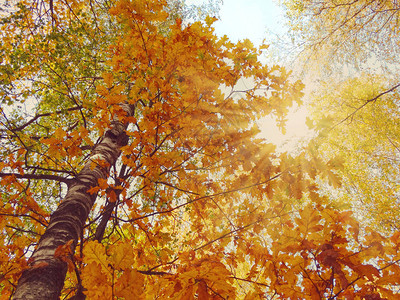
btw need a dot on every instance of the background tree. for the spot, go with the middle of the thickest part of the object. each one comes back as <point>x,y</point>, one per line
<point>130,163</point>
<point>359,123</point>
<point>353,34</point>
<point>352,48</point>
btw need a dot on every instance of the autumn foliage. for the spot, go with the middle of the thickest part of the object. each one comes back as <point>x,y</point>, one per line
<point>195,205</point>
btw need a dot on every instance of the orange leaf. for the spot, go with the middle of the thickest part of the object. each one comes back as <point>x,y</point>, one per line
<point>188,294</point>
<point>368,271</point>
<point>64,250</point>
<point>202,290</point>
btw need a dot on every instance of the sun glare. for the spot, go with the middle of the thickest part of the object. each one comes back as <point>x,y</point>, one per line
<point>296,130</point>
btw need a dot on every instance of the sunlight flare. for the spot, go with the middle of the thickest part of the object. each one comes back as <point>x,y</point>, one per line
<point>296,133</point>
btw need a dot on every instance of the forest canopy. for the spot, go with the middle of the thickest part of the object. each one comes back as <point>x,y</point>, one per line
<point>131,165</point>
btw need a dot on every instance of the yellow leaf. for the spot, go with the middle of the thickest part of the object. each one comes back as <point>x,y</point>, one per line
<point>96,282</point>
<point>130,285</point>
<point>95,252</point>
<point>122,256</point>
<point>59,133</point>
<point>210,20</point>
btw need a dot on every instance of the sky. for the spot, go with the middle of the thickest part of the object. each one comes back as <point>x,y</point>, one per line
<point>258,20</point>
<point>240,19</point>
<point>249,19</point>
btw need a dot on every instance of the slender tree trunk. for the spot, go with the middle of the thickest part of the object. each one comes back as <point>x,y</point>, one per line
<point>45,277</point>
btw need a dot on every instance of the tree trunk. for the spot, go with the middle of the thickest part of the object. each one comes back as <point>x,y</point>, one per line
<point>45,277</point>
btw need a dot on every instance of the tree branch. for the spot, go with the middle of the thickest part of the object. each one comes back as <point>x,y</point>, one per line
<point>37,176</point>
<point>43,115</point>
<point>364,104</point>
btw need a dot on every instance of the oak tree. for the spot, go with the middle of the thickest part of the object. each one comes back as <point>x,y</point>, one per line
<point>131,167</point>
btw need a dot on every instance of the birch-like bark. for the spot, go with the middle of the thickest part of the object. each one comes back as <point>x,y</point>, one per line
<point>44,279</point>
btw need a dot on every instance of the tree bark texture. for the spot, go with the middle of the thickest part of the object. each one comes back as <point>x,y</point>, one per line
<point>44,279</point>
